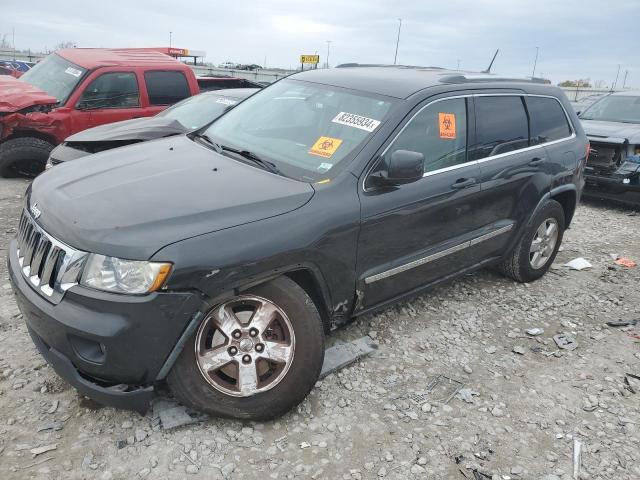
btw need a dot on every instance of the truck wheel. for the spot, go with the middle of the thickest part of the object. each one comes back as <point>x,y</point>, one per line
<point>534,254</point>
<point>24,156</point>
<point>255,356</point>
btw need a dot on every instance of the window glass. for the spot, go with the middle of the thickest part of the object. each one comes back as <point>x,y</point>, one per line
<point>614,108</point>
<point>111,90</point>
<point>306,129</point>
<point>501,126</point>
<point>439,132</point>
<point>56,76</point>
<point>194,112</point>
<point>548,120</point>
<point>166,87</point>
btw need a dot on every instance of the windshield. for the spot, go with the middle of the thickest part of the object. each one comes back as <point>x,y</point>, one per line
<point>195,112</point>
<point>614,108</point>
<point>305,129</point>
<point>56,76</point>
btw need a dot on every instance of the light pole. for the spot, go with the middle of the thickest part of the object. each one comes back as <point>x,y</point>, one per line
<point>328,51</point>
<point>458,67</point>
<point>395,58</point>
<point>535,62</point>
<point>615,83</point>
<point>624,82</point>
<point>170,34</point>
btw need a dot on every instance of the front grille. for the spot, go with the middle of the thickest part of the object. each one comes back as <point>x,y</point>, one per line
<point>49,265</point>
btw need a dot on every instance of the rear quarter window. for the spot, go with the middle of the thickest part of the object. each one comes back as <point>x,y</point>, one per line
<point>166,87</point>
<point>548,120</point>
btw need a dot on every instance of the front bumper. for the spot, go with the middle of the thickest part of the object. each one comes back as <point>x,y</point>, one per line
<point>611,188</point>
<point>110,347</point>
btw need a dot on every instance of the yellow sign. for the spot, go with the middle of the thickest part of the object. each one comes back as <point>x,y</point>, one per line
<point>313,59</point>
<point>325,147</point>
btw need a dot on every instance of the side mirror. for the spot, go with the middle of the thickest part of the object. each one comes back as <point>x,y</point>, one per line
<point>404,167</point>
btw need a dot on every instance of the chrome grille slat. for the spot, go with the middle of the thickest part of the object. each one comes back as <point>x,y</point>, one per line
<point>50,266</point>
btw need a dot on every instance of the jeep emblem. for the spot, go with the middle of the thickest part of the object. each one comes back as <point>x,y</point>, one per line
<point>35,211</point>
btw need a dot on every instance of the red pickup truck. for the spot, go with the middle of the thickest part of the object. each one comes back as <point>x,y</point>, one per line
<point>75,89</point>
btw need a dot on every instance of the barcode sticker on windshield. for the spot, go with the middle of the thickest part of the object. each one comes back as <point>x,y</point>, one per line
<point>226,101</point>
<point>73,71</point>
<point>356,121</point>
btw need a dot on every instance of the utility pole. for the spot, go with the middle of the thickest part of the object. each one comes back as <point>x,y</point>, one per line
<point>624,82</point>
<point>328,51</point>
<point>395,58</point>
<point>14,43</point>
<point>170,35</point>
<point>535,62</point>
<point>615,82</point>
<point>458,67</point>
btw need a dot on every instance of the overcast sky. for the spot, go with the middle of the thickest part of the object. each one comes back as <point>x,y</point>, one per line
<point>577,38</point>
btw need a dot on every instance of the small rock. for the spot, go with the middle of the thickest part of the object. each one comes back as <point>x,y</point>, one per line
<point>497,412</point>
<point>534,332</point>
<point>467,369</point>
<point>519,350</point>
<point>127,424</point>
<point>191,469</point>
<point>517,470</point>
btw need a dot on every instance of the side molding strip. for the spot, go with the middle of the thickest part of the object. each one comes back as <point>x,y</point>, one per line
<point>438,255</point>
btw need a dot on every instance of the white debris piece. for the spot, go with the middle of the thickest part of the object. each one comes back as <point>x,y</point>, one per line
<point>343,354</point>
<point>578,264</point>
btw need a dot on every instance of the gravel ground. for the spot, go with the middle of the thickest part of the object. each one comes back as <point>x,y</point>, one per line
<point>523,404</point>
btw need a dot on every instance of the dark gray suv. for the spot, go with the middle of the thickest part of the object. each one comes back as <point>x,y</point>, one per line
<point>217,261</point>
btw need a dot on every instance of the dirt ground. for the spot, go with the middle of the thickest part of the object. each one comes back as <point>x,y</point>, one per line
<point>523,404</point>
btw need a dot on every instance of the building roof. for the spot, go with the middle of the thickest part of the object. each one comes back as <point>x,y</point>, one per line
<point>117,57</point>
<point>627,93</point>
<point>398,81</point>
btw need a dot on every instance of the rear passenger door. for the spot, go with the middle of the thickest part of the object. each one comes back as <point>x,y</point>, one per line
<point>512,174</point>
<point>164,88</point>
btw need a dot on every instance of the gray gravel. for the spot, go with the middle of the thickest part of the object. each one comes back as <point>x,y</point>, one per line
<point>521,401</point>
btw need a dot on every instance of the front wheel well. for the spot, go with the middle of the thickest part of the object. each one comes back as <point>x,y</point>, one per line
<point>568,201</point>
<point>32,133</point>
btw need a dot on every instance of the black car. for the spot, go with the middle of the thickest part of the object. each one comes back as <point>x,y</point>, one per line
<point>185,116</point>
<point>324,197</point>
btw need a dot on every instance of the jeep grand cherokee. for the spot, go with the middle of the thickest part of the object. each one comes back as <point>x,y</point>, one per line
<point>218,260</point>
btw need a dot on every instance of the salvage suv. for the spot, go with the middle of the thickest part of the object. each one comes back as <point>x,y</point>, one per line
<point>218,260</point>
<point>79,88</point>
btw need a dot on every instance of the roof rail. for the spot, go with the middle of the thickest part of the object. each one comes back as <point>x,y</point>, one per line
<point>386,65</point>
<point>486,77</point>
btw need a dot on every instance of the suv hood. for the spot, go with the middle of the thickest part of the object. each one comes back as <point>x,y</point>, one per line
<point>16,95</point>
<point>617,130</point>
<point>134,200</point>
<point>135,129</point>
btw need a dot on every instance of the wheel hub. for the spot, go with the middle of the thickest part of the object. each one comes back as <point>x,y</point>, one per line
<point>246,345</point>
<point>543,243</point>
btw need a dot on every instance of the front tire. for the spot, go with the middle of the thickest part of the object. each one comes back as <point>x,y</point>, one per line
<point>24,156</point>
<point>253,357</point>
<point>537,249</point>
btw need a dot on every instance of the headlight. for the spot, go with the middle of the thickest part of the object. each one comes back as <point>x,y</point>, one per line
<point>123,276</point>
<point>48,165</point>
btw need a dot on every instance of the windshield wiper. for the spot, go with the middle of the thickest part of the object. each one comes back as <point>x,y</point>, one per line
<point>265,164</point>
<point>207,139</point>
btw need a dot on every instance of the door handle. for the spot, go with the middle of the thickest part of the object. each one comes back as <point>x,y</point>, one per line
<point>536,161</point>
<point>463,183</point>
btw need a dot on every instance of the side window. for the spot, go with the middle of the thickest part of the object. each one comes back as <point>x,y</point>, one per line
<point>439,132</point>
<point>166,87</point>
<point>548,120</point>
<point>111,90</point>
<point>501,126</point>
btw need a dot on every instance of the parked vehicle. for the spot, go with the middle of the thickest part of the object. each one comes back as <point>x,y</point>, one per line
<point>185,116</point>
<point>613,127</point>
<point>220,259</point>
<point>75,89</point>
<point>207,84</point>
<point>13,68</point>
<point>584,103</point>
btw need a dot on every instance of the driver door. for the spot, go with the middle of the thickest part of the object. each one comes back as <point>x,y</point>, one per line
<point>414,234</point>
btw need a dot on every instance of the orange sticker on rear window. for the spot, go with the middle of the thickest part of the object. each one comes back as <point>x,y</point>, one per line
<point>325,147</point>
<point>447,123</point>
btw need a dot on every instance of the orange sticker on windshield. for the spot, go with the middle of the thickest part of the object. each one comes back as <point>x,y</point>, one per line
<point>447,123</point>
<point>325,147</point>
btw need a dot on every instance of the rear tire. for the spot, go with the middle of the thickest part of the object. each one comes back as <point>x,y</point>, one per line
<point>522,264</point>
<point>24,156</point>
<point>214,390</point>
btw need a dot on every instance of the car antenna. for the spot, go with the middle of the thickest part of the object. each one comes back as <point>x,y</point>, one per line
<point>488,70</point>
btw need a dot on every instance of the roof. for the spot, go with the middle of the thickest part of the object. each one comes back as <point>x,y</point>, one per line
<point>628,93</point>
<point>117,57</point>
<point>233,92</point>
<point>398,81</point>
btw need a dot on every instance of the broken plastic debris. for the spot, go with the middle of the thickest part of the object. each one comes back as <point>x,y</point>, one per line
<point>44,449</point>
<point>171,414</point>
<point>466,394</point>
<point>344,354</point>
<point>622,323</point>
<point>625,262</point>
<point>565,341</point>
<point>442,389</point>
<point>578,264</point>
<point>577,458</point>
<point>535,331</point>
